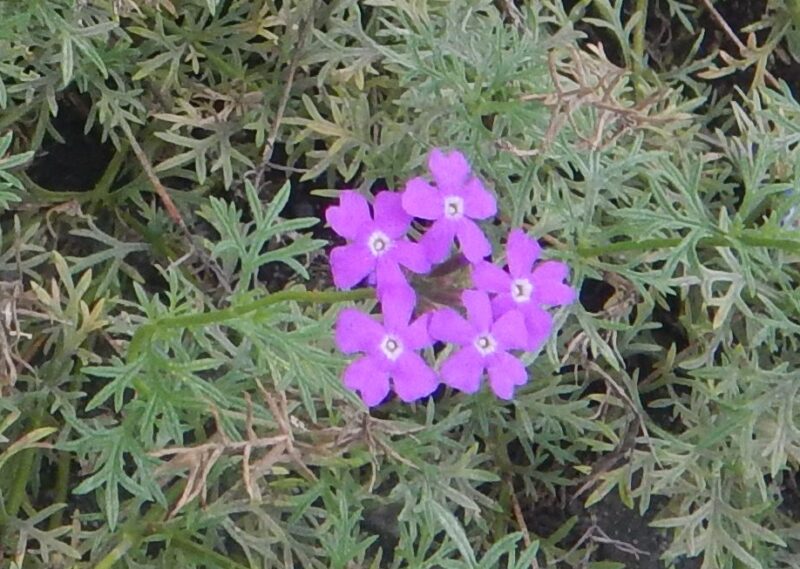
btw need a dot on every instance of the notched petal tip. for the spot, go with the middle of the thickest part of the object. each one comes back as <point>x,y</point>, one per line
<point>447,325</point>
<point>350,264</point>
<point>505,373</point>
<point>472,241</point>
<point>351,216</point>
<point>510,330</point>
<point>413,378</point>
<point>489,277</point>
<point>479,203</point>
<point>463,370</point>
<point>438,240</point>
<point>390,217</point>
<point>548,282</point>
<point>521,252</point>
<point>356,332</point>
<point>422,200</point>
<point>368,379</point>
<point>479,309</point>
<point>450,170</point>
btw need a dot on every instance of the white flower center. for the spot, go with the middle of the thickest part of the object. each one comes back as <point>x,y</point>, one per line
<point>391,347</point>
<point>453,207</point>
<point>521,290</point>
<point>379,243</point>
<point>485,344</point>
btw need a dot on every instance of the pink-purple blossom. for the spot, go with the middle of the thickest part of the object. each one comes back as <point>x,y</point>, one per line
<point>507,313</point>
<point>524,287</point>
<point>485,343</point>
<point>390,353</point>
<point>453,202</point>
<point>377,243</point>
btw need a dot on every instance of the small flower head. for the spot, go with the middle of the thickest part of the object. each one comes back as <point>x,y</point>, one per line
<point>390,353</point>
<point>454,200</point>
<point>525,288</point>
<point>377,243</point>
<point>484,345</point>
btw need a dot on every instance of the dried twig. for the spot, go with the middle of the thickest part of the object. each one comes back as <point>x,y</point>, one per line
<point>280,413</point>
<point>170,207</point>
<point>589,79</point>
<point>743,50</point>
<point>520,519</point>
<point>514,14</point>
<point>595,534</point>
<point>266,155</point>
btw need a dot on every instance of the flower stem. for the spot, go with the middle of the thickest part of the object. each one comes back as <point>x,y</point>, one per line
<point>146,331</point>
<point>751,238</point>
<point>129,540</point>
<point>23,474</point>
<point>638,34</point>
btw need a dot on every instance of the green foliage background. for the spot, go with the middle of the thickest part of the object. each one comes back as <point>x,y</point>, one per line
<point>171,395</point>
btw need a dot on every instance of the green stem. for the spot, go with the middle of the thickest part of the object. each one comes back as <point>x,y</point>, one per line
<point>752,238</point>
<point>207,555</point>
<point>61,487</point>
<point>129,540</point>
<point>638,34</point>
<point>146,331</point>
<point>23,472</point>
<point>793,7</point>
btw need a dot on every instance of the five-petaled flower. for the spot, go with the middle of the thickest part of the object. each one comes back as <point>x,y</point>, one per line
<point>484,345</point>
<point>524,287</point>
<point>452,204</point>
<point>390,353</point>
<point>377,244</point>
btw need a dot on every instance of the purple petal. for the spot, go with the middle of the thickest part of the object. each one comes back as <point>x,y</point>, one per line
<point>390,217</point>
<point>510,330</point>
<point>438,239</point>
<point>478,202</point>
<point>463,370</point>
<point>472,241</point>
<point>396,312</point>
<point>416,336</point>
<point>350,264</point>
<point>413,378</point>
<point>351,216</point>
<point>502,303</point>
<point>506,372</point>
<point>447,325</point>
<point>547,280</point>
<point>539,324</point>
<point>388,273</point>
<point>489,277</point>
<point>521,252</point>
<point>391,284</point>
<point>366,377</point>
<point>412,256</point>
<point>479,309</point>
<point>422,200</point>
<point>357,332</point>
<point>450,171</point>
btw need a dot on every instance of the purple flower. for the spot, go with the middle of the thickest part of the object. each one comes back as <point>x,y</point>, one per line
<point>390,353</point>
<point>525,288</point>
<point>484,343</point>
<point>457,198</point>
<point>377,246</point>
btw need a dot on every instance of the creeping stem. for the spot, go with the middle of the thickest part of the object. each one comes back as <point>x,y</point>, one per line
<point>745,237</point>
<point>146,331</point>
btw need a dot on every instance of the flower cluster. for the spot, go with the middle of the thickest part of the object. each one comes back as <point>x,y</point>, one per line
<point>505,309</point>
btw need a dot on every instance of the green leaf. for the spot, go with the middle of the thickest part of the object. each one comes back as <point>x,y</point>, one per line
<point>67,60</point>
<point>454,530</point>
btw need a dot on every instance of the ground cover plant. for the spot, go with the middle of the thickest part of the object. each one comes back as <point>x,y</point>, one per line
<point>174,346</point>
